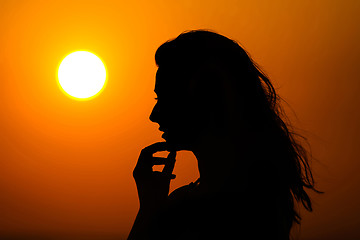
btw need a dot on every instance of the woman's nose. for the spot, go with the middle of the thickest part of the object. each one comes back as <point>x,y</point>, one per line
<point>155,114</point>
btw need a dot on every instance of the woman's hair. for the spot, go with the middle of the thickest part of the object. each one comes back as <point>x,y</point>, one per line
<point>258,113</point>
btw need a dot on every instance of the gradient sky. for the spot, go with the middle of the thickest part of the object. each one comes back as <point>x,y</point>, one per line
<point>66,166</point>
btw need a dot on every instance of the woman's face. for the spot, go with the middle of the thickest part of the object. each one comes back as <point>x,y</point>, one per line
<point>180,113</point>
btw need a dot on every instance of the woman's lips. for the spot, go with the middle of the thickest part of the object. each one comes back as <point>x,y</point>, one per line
<point>162,129</point>
<point>165,132</point>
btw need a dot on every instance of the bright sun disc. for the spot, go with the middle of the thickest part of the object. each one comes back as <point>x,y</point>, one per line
<point>82,75</point>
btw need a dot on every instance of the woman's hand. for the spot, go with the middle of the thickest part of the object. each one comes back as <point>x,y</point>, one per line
<point>153,186</point>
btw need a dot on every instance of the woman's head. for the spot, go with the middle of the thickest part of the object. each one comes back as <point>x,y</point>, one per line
<point>206,83</point>
<point>209,87</point>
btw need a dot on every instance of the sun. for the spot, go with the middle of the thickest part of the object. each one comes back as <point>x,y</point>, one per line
<point>82,75</point>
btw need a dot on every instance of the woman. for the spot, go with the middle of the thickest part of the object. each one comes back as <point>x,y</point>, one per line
<point>213,100</point>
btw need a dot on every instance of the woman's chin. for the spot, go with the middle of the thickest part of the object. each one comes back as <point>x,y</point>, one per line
<point>175,144</point>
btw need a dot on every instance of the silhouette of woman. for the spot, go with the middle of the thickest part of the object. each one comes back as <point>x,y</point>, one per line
<point>214,100</point>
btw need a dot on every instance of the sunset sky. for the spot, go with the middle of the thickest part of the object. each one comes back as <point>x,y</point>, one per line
<point>66,165</point>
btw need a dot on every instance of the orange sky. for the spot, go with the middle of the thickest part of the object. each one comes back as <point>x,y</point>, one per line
<point>66,166</point>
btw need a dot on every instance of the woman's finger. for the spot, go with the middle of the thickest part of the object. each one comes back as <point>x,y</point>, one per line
<point>155,147</point>
<point>158,161</point>
<point>147,152</point>
<point>170,163</point>
<point>163,175</point>
<point>146,160</point>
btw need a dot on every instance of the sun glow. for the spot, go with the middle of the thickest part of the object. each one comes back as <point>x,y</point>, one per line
<point>82,75</point>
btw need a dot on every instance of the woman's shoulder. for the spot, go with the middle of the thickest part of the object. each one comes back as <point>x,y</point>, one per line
<point>183,192</point>
<point>179,192</point>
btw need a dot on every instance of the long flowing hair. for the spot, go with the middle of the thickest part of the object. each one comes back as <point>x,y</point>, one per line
<point>258,108</point>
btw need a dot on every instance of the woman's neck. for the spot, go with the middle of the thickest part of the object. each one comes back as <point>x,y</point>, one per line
<point>218,162</point>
